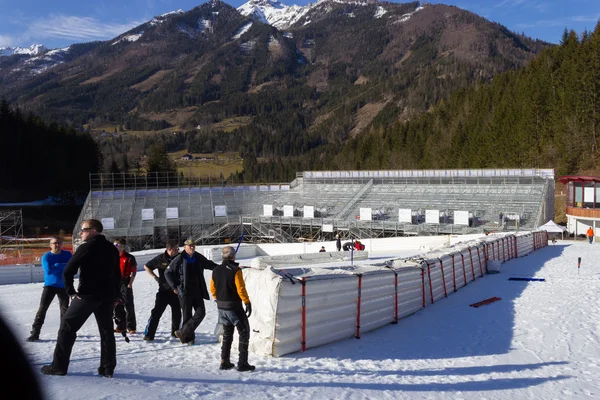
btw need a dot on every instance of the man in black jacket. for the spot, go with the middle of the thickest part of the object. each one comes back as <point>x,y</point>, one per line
<point>185,275</point>
<point>97,261</point>
<point>229,289</point>
<point>165,296</point>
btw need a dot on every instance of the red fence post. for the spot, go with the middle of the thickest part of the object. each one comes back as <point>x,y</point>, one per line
<point>358,307</point>
<point>464,268</point>
<point>430,284</point>
<point>443,277</point>
<point>303,282</point>
<point>453,273</point>
<point>395,297</point>
<point>423,285</point>
<point>472,266</point>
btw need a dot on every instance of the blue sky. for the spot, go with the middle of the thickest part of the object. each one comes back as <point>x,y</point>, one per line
<point>59,23</point>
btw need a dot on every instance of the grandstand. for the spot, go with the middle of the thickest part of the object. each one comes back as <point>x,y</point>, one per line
<point>319,204</point>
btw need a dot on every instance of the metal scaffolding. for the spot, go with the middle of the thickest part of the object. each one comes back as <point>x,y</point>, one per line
<point>149,211</point>
<point>11,233</point>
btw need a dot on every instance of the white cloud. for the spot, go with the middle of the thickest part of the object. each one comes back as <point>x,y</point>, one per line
<point>510,3</point>
<point>566,22</point>
<point>70,27</point>
<point>6,41</point>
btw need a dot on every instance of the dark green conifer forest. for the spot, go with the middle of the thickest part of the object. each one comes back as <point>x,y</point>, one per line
<point>545,115</point>
<point>41,159</point>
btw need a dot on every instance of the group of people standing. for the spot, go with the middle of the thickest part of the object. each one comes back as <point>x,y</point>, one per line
<point>106,275</point>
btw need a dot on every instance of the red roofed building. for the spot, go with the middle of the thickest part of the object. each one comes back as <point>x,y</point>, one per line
<point>583,203</point>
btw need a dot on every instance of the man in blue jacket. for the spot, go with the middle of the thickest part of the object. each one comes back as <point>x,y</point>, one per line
<point>53,263</point>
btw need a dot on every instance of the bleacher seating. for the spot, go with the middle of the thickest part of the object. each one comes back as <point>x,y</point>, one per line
<point>336,200</point>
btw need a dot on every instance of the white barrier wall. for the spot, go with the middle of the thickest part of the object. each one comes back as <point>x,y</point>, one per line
<point>302,307</point>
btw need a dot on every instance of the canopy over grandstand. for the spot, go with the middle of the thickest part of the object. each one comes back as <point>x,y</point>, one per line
<point>317,205</point>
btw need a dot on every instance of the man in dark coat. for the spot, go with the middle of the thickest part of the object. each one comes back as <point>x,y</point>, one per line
<point>165,296</point>
<point>185,275</point>
<point>97,262</point>
<point>229,289</point>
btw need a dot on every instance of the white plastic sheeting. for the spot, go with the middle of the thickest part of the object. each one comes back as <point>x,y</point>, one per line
<point>308,258</point>
<point>296,307</point>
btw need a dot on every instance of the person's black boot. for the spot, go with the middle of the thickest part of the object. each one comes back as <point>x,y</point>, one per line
<point>104,372</point>
<point>33,337</point>
<point>226,364</point>
<point>245,367</point>
<point>49,370</point>
<point>243,362</point>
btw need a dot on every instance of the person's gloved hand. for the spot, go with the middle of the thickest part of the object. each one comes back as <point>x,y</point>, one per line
<point>248,310</point>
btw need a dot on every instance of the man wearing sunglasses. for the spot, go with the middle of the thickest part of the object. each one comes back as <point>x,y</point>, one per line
<point>185,275</point>
<point>53,263</point>
<point>97,262</point>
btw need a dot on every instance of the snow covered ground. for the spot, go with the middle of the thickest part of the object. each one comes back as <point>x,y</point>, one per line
<point>541,341</point>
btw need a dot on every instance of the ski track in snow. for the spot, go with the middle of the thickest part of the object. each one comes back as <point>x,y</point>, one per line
<point>540,341</point>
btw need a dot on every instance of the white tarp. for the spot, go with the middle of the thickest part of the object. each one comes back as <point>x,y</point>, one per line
<point>297,302</point>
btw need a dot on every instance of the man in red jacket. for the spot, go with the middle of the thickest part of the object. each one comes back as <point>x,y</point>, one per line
<point>125,313</point>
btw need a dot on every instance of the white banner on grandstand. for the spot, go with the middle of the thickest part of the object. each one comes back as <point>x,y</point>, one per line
<point>404,215</point>
<point>309,212</point>
<point>327,228</point>
<point>108,223</point>
<point>365,214</point>
<point>220,211</point>
<point>268,210</point>
<point>147,214</point>
<point>432,216</point>
<point>288,211</point>
<point>172,213</point>
<point>461,217</point>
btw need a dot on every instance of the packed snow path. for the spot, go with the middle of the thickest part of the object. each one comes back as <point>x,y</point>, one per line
<point>542,340</point>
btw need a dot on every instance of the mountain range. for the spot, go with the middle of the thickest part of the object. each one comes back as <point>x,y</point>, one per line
<point>287,79</point>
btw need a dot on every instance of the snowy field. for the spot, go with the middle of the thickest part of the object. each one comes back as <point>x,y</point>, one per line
<point>541,341</point>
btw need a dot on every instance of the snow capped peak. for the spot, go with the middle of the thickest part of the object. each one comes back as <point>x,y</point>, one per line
<point>180,11</point>
<point>273,12</point>
<point>161,18</point>
<point>32,50</point>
